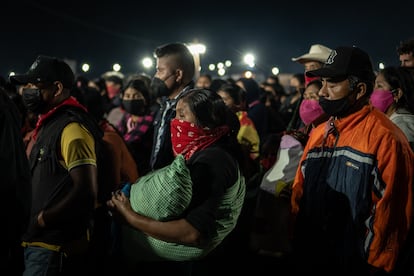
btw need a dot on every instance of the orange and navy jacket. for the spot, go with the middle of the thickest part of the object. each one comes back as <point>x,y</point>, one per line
<point>366,160</point>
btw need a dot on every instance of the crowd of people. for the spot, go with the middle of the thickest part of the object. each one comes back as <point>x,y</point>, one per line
<point>172,173</point>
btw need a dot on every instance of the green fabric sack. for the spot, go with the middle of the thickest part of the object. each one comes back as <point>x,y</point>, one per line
<point>165,193</point>
<point>160,200</point>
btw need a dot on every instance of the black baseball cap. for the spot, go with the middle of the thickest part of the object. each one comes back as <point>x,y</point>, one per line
<point>46,69</point>
<point>344,62</point>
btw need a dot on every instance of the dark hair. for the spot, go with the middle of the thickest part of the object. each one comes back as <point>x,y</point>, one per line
<point>142,76</point>
<point>216,84</point>
<point>211,111</point>
<point>207,106</point>
<point>300,77</point>
<point>401,77</point>
<point>278,89</point>
<point>94,102</point>
<point>353,82</point>
<point>406,47</point>
<point>275,78</point>
<point>141,86</point>
<point>81,81</point>
<point>182,55</point>
<point>100,83</point>
<point>115,79</point>
<point>237,93</point>
<point>252,88</point>
<point>317,82</point>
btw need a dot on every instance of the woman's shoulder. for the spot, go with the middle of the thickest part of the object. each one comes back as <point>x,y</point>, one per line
<point>215,155</point>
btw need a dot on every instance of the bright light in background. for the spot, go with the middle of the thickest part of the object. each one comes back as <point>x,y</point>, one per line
<point>220,65</point>
<point>85,67</point>
<point>227,63</point>
<point>221,72</point>
<point>197,48</point>
<point>248,74</point>
<point>249,60</point>
<point>211,67</point>
<point>12,74</point>
<point>275,71</point>
<point>147,62</point>
<point>116,67</point>
<point>381,65</point>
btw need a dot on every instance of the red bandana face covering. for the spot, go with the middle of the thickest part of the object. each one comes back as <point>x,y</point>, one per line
<point>187,138</point>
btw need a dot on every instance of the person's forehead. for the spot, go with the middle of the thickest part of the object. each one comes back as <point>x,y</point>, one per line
<point>312,88</point>
<point>338,80</point>
<point>312,64</point>
<point>182,105</point>
<point>380,78</point>
<point>131,90</point>
<point>224,94</point>
<point>407,56</point>
<point>39,85</point>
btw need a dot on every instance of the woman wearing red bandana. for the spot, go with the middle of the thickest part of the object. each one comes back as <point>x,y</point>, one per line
<point>204,132</point>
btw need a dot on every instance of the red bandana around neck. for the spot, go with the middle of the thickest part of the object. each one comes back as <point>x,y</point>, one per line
<point>71,101</point>
<point>187,138</point>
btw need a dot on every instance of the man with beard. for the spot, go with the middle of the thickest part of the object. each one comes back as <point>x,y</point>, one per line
<point>352,194</point>
<point>174,75</point>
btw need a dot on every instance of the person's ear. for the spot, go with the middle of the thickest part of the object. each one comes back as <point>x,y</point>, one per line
<point>361,90</point>
<point>58,88</point>
<point>178,75</point>
<point>397,94</point>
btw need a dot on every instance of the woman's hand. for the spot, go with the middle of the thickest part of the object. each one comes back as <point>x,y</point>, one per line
<point>119,205</point>
<point>40,219</point>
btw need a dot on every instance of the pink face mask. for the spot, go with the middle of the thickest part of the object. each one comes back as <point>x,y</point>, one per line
<point>309,111</point>
<point>382,99</point>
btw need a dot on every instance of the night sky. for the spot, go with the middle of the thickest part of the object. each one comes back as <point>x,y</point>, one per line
<point>104,32</point>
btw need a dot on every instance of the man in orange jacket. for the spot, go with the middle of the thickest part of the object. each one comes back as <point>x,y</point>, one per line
<point>352,194</point>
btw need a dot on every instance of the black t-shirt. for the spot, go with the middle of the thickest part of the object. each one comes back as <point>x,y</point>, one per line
<point>213,171</point>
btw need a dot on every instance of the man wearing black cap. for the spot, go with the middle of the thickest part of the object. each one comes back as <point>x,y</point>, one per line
<point>63,166</point>
<point>352,194</point>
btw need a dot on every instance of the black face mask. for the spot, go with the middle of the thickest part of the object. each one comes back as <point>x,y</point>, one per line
<point>159,88</point>
<point>291,90</point>
<point>338,107</point>
<point>33,100</point>
<point>134,107</point>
